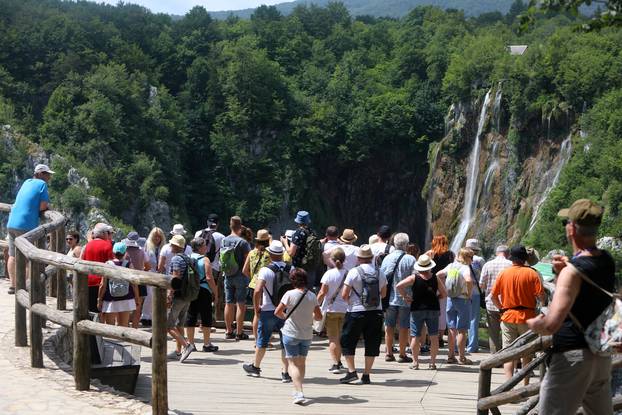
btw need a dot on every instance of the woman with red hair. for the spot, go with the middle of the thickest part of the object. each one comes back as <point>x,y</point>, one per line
<point>442,256</point>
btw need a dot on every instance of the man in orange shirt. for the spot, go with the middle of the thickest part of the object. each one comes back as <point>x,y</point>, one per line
<point>514,293</point>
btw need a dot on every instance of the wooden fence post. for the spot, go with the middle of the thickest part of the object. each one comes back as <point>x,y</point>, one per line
<point>41,296</point>
<point>61,274</point>
<point>51,282</point>
<point>36,334</point>
<point>21,339</point>
<point>483,390</point>
<point>159,386</point>
<point>81,345</point>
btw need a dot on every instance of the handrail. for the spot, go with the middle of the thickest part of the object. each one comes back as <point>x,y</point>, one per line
<point>29,249</point>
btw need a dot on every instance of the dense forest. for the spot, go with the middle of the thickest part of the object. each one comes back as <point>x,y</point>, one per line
<point>317,109</point>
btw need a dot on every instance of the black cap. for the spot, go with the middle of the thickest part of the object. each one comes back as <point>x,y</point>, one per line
<point>518,253</point>
<point>384,232</point>
<point>212,218</point>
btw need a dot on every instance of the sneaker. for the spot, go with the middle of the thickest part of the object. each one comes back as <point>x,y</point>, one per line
<point>409,351</point>
<point>210,348</point>
<point>251,370</point>
<point>404,359</point>
<point>365,380</point>
<point>186,352</point>
<point>174,355</point>
<point>425,349</point>
<point>299,398</point>
<point>241,336</point>
<point>389,358</point>
<point>230,336</point>
<point>336,369</point>
<point>350,377</point>
<point>11,290</point>
<point>286,378</point>
<point>145,323</point>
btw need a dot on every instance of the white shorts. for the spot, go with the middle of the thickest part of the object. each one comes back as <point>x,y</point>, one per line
<point>119,306</point>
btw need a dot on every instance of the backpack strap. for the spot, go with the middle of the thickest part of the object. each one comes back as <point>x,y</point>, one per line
<point>274,268</point>
<point>387,248</point>
<point>304,294</point>
<point>334,297</point>
<point>358,271</point>
<point>256,267</point>
<point>189,263</point>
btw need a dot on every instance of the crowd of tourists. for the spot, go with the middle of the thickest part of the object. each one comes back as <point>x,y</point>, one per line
<point>386,290</point>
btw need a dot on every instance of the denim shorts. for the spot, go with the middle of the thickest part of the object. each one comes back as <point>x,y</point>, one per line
<point>13,233</point>
<point>268,322</point>
<point>397,315</point>
<point>236,288</point>
<point>458,313</point>
<point>295,347</point>
<point>419,317</point>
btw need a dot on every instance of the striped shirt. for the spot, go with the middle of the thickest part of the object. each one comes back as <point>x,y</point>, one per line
<point>490,271</point>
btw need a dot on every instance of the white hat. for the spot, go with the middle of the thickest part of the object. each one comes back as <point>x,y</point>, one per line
<point>424,263</point>
<point>42,168</point>
<point>178,229</point>
<point>276,248</point>
<point>473,244</point>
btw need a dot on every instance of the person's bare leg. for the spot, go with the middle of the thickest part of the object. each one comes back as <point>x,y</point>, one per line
<point>260,352</point>
<point>526,361</point>
<point>403,339</point>
<point>350,363</point>
<point>109,318</point>
<point>11,268</point>
<point>284,363</point>
<point>255,325</point>
<point>123,319</point>
<point>240,318</point>
<point>190,334</point>
<point>389,333</point>
<point>334,348</point>
<point>451,343</point>
<point>369,362</point>
<point>433,349</point>
<point>415,346</point>
<point>207,333</point>
<point>508,369</point>
<point>136,314</point>
<point>462,339</point>
<point>229,317</point>
<point>297,371</point>
<point>179,339</point>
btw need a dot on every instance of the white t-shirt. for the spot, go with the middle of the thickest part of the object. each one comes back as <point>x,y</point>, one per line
<point>330,244</point>
<point>351,259</point>
<point>300,324</point>
<point>354,280</point>
<point>167,253</point>
<point>267,275</point>
<point>218,237</point>
<point>378,248</point>
<point>332,278</point>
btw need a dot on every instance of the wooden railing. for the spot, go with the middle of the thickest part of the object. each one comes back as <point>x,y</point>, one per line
<point>529,344</point>
<point>31,257</point>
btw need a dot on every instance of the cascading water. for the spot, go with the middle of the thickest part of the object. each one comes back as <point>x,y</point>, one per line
<point>470,202</point>
<point>565,152</point>
<point>496,108</point>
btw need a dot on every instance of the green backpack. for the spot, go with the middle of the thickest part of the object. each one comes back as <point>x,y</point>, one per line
<point>228,264</point>
<point>454,283</point>
<point>313,254</point>
<point>190,282</point>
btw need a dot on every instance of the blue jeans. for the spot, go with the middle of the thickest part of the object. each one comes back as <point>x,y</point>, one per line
<point>236,288</point>
<point>397,316</point>
<point>268,322</point>
<point>295,347</point>
<point>458,313</point>
<point>473,342</point>
<point>420,317</point>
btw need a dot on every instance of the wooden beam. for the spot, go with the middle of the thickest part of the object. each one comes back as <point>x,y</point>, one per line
<point>65,319</point>
<point>513,353</point>
<point>61,274</point>
<point>127,334</point>
<point>159,383</point>
<point>483,390</point>
<point>36,333</point>
<point>508,397</point>
<point>528,406</point>
<point>81,345</point>
<point>21,339</point>
<point>518,376</point>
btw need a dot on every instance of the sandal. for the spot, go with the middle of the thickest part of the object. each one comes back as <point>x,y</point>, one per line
<point>432,366</point>
<point>464,361</point>
<point>414,366</point>
<point>451,361</point>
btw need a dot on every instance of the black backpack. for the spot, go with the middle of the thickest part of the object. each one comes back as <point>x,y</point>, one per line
<point>370,294</point>
<point>390,277</point>
<point>212,250</point>
<point>190,283</point>
<point>281,284</point>
<point>382,256</point>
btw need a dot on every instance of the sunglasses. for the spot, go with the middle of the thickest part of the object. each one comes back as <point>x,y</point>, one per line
<point>69,239</point>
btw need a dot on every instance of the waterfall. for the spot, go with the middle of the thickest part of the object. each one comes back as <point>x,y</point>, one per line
<point>430,196</point>
<point>565,152</point>
<point>496,108</point>
<point>470,202</point>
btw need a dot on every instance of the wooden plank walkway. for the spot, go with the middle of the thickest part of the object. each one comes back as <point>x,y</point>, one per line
<point>214,383</point>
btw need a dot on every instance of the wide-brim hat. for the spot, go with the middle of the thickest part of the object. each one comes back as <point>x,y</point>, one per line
<point>364,252</point>
<point>424,263</point>
<point>348,236</point>
<point>262,235</point>
<point>178,240</point>
<point>132,240</point>
<point>276,248</point>
<point>303,218</point>
<point>533,256</point>
<point>583,212</point>
<point>178,229</point>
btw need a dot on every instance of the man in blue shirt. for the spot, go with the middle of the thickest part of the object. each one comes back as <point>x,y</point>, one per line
<point>31,200</point>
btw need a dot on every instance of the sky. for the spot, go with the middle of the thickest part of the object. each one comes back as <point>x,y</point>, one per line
<point>180,7</point>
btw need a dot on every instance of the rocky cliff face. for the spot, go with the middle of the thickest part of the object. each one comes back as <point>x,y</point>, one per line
<point>487,179</point>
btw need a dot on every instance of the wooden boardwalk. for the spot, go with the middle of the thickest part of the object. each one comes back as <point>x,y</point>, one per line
<point>214,383</point>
